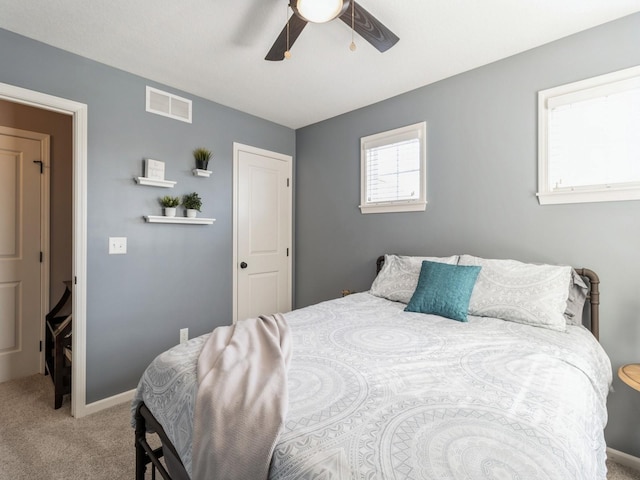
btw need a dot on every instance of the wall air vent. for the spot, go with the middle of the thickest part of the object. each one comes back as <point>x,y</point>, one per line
<point>168,105</point>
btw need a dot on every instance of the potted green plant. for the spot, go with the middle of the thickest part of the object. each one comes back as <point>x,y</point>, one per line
<point>202,157</point>
<point>169,203</point>
<point>192,202</point>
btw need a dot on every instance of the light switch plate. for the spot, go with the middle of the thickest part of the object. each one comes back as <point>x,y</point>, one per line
<point>184,335</point>
<point>117,245</point>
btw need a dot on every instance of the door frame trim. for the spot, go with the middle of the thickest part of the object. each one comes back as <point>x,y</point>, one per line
<point>237,148</point>
<point>78,112</point>
<point>45,155</point>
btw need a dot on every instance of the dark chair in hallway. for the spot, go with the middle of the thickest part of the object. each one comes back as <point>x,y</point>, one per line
<point>58,347</point>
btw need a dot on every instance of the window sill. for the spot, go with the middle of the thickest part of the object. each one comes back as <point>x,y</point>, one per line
<point>394,208</point>
<point>610,195</point>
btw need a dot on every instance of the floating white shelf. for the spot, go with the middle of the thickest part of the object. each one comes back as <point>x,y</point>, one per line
<point>154,183</point>
<point>201,173</point>
<point>182,220</point>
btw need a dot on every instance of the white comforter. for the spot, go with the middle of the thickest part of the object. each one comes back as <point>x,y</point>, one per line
<point>376,392</point>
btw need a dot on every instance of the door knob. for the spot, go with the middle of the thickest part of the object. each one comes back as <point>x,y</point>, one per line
<point>243,265</point>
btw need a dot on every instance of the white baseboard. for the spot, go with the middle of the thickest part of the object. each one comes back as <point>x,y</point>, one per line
<point>623,458</point>
<point>109,402</point>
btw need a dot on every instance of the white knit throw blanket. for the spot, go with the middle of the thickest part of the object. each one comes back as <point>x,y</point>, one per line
<point>242,399</point>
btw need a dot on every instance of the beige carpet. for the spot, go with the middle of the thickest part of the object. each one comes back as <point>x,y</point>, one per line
<point>40,443</point>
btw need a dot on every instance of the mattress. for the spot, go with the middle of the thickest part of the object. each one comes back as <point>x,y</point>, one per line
<point>376,392</point>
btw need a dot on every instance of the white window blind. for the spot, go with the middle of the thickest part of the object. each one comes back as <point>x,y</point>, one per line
<point>595,142</point>
<point>590,141</point>
<point>393,170</point>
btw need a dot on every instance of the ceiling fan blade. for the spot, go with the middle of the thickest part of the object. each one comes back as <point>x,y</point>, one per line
<point>370,28</point>
<point>296,24</point>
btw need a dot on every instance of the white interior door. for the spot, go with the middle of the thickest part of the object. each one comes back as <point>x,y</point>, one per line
<point>21,303</point>
<point>263,217</point>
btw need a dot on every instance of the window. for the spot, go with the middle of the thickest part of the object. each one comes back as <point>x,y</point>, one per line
<point>393,170</point>
<point>589,141</point>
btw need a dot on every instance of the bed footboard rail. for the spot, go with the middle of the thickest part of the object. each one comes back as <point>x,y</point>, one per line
<point>145,454</point>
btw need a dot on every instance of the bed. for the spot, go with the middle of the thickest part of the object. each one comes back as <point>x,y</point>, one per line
<point>510,391</point>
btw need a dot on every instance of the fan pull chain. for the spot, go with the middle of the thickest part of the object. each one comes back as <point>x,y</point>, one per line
<point>352,47</point>
<point>287,53</point>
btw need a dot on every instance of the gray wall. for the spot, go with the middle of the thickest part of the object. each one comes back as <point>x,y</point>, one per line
<point>482,180</point>
<point>173,276</point>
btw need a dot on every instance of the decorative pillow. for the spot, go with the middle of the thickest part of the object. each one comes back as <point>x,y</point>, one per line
<point>398,277</point>
<point>444,290</point>
<point>520,292</point>
<point>575,302</point>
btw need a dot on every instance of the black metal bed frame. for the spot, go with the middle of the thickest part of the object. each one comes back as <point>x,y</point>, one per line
<point>172,469</point>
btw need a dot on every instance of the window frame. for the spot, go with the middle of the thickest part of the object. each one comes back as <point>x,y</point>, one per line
<point>414,205</point>
<point>578,91</point>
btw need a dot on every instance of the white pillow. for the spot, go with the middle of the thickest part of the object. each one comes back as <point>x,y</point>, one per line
<point>398,277</point>
<point>520,292</point>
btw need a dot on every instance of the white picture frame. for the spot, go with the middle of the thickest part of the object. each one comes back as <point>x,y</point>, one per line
<point>153,169</point>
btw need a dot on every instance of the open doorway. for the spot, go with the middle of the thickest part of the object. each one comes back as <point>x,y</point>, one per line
<point>51,212</point>
<point>78,113</point>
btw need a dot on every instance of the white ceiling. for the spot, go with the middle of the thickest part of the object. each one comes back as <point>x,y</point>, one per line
<point>215,48</point>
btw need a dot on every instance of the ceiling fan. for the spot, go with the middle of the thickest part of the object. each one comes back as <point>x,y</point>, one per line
<point>321,11</point>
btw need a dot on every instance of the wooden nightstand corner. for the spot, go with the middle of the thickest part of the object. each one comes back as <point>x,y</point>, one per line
<point>630,374</point>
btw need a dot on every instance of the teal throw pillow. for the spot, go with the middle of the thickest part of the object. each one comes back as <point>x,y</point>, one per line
<point>444,290</point>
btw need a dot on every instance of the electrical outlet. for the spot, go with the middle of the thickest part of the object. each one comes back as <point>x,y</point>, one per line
<point>117,245</point>
<point>184,335</point>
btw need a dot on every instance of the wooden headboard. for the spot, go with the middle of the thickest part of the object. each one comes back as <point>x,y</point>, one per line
<point>593,297</point>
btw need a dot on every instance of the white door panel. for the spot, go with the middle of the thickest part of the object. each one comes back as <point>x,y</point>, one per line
<point>9,298</point>
<point>263,210</point>
<point>20,246</point>
<point>263,293</point>
<point>9,164</point>
<point>262,232</point>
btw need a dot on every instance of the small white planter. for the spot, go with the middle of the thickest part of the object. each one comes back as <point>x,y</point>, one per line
<point>191,213</point>
<point>169,211</point>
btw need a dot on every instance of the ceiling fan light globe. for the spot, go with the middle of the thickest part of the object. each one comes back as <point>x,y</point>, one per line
<point>319,11</point>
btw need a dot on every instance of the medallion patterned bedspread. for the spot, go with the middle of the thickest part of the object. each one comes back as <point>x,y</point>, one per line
<point>379,393</point>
